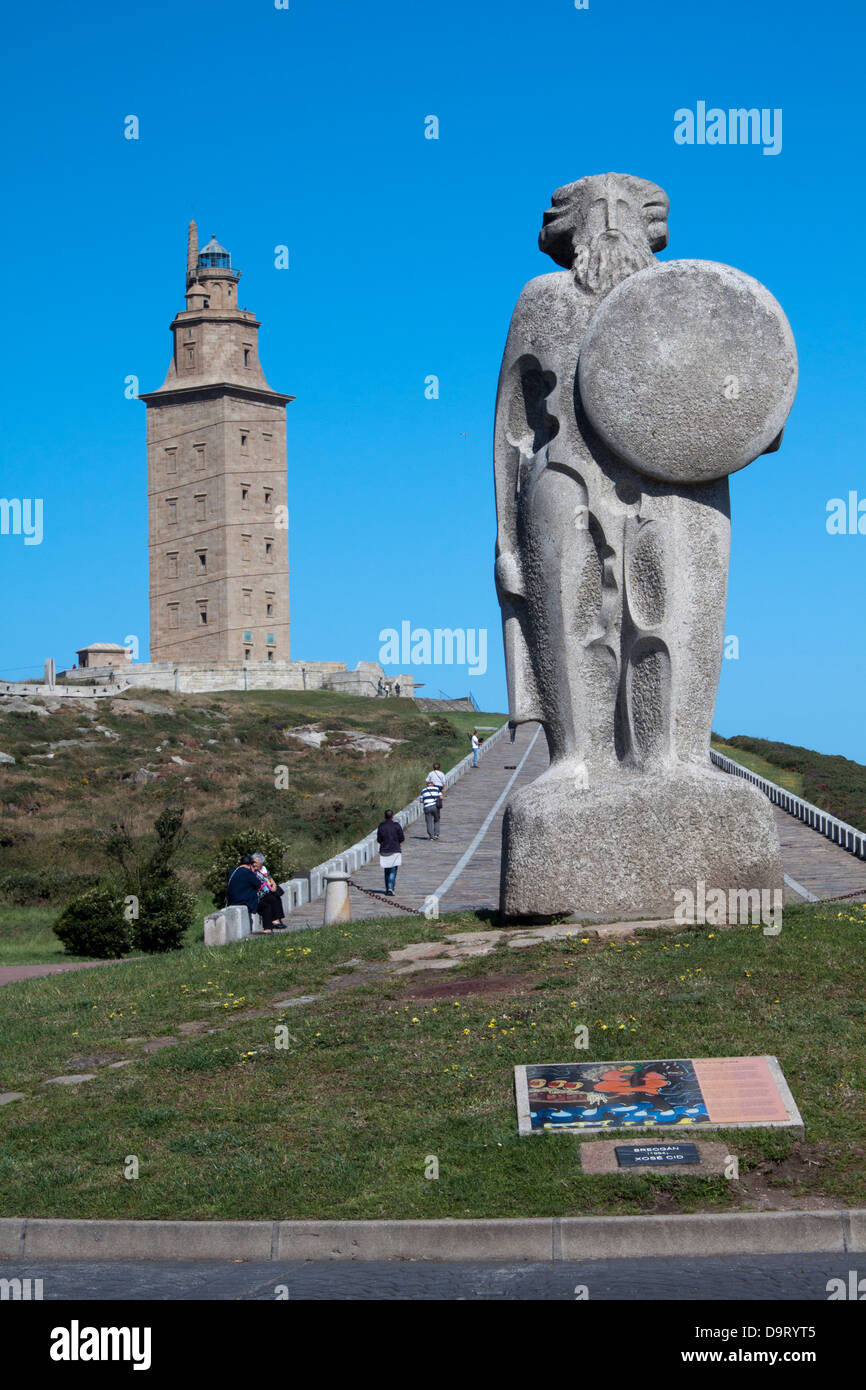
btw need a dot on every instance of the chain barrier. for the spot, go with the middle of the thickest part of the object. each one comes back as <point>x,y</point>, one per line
<point>844,897</point>
<point>389,902</point>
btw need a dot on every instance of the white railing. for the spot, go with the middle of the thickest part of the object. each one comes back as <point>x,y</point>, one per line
<point>854,841</point>
<point>302,890</point>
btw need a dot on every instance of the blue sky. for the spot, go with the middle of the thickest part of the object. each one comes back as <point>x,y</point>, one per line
<point>305,127</point>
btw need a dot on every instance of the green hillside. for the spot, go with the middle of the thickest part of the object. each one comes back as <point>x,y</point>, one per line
<point>828,780</point>
<point>217,756</point>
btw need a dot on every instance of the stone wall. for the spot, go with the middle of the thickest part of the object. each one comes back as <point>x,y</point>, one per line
<point>200,677</point>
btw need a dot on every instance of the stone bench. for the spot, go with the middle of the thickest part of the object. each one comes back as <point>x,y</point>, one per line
<point>229,924</point>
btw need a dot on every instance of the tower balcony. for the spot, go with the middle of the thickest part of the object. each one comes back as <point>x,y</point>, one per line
<point>216,265</point>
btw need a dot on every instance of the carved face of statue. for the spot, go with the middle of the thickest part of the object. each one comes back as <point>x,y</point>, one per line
<point>604,228</point>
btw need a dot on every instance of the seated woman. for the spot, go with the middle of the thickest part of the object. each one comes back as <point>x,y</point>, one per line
<point>270,907</point>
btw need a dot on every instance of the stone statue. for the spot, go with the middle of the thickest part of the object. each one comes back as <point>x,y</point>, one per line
<point>630,388</point>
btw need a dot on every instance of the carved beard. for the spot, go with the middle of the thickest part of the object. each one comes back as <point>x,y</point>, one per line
<point>610,258</point>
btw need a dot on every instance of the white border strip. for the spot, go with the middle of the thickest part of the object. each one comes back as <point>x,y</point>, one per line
<point>798,888</point>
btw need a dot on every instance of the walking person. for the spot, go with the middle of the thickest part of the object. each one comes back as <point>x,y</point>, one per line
<point>437,776</point>
<point>390,836</point>
<point>512,730</point>
<point>476,744</point>
<point>431,801</point>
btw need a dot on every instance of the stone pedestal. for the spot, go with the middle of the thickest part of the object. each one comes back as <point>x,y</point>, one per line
<point>623,848</point>
<point>337,905</point>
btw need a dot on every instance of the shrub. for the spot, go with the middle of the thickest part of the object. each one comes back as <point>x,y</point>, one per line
<point>166,912</point>
<point>94,925</point>
<point>233,847</point>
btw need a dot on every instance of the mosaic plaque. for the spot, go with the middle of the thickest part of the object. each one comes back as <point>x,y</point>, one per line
<point>699,1093</point>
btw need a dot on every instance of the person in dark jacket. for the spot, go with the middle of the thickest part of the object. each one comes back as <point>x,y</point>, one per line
<point>390,836</point>
<point>243,887</point>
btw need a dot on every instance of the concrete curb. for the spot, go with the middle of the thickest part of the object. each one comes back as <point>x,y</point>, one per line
<point>543,1239</point>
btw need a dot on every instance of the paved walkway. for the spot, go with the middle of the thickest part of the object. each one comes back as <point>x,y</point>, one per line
<point>815,863</point>
<point>462,867</point>
<point>10,973</point>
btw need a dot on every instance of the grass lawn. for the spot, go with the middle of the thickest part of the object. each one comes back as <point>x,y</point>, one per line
<point>783,777</point>
<point>383,1071</point>
<point>26,937</point>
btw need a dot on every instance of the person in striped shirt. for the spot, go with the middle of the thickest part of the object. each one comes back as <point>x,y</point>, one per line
<point>431,801</point>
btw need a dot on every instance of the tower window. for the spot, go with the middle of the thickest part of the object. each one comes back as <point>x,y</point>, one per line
<point>171,460</point>
<point>269,610</point>
<point>248,602</point>
<point>199,455</point>
<point>246,653</point>
<point>171,510</point>
<point>171,564</point>
<point>245,492</point>
<point>201,506</point>
<point>246,357</point>
<point>269,550</point>
<point>202,561</point>
<point>202,613</point>
<point>270,656</point>
<point>243,441</point>
<point>268,496</point>
<point>190,356</point>
<point>174,615</point>
<point>207,303</point>
<point>245,547</point>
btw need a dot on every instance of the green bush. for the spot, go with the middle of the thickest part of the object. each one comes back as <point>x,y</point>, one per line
<point>232,849</point>
<point>94,925</point>
<point>166,912</point>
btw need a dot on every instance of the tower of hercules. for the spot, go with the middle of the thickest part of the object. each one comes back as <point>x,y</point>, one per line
<point>216,466</point>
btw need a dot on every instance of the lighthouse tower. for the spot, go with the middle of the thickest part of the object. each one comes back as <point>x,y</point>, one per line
<point>216,463</point>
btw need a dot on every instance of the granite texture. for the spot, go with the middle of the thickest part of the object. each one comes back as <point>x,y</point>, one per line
<point>688,371</point>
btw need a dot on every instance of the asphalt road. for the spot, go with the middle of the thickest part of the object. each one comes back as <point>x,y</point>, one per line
<point>763,1278</point>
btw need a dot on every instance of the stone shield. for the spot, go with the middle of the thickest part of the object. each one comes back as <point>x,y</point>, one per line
<point>688,371</point>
